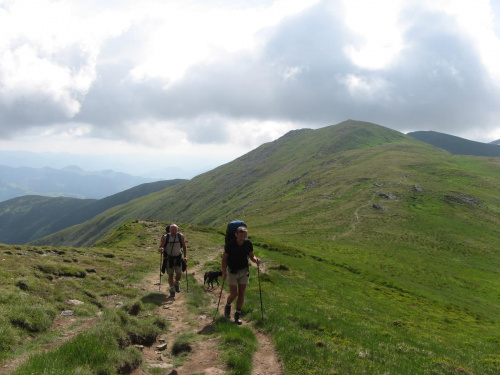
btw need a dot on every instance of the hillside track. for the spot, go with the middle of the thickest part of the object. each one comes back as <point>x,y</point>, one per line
<point>204,357</point>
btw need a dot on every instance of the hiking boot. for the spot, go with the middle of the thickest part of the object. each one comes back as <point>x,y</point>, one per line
<point>172,291</point>
<point>178,287</point>
<point>237,319</point>
<point>227,311</point>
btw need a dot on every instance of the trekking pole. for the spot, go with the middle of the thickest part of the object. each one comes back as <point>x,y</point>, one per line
<point>220,296</point>
<point>187,282</point>
<point>260,292</point>
<point>161,263</point>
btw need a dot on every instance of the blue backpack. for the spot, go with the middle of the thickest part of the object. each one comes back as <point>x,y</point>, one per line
<point>231,230</point>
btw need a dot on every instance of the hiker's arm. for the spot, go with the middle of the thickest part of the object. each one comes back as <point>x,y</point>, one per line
<point>224,265</point>
<point>253,258</point>
<point>162,243</point>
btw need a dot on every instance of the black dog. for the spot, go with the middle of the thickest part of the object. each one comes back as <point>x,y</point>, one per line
<point>211,276</point>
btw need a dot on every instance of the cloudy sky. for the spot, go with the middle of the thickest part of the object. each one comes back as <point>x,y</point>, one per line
<point>193,84</point>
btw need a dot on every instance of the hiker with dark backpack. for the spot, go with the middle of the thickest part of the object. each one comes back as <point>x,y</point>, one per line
<point>235,268</point>
<point>174,259</point>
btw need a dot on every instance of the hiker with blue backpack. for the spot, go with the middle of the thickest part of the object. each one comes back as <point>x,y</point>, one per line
<point>235,269</point>
<point>172,246</point>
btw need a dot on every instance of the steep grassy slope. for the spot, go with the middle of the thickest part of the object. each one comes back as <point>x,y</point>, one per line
<point>28,218</point>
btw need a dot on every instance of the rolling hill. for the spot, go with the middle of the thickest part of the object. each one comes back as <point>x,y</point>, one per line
<point>381,251</point>
<point>457,145</point>
<point>28,218</point>
<point>309,177</point>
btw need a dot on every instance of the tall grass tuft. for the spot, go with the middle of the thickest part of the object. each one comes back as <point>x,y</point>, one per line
<point>238,344</point>
<point>106,349</point>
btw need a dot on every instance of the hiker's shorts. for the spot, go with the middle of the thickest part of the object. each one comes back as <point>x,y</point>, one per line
<point>176,269</point>
<point>176,266</point>
<point>241,277</point>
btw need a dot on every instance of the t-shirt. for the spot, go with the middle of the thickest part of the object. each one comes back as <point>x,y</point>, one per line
<point>238,254</point>
<point>173,246</point>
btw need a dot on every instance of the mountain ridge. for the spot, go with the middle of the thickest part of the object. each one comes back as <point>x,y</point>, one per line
<point>30,217</point>
<point>457,145</point>
<point>213,198</point>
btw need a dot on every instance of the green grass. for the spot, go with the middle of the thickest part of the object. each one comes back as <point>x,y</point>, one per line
<point>104,349</point>
<point>411,288</point>
<point>238,345</point>
<point>39,282</point>
<point>419,303</point>
<point>364,321</point>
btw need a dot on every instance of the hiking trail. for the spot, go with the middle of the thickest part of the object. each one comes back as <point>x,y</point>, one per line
<point>204,357</point>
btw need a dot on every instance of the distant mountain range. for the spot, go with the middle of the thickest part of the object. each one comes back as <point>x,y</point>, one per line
<point>457,145</point>
<point>30,217</point>
<point>71,181</point>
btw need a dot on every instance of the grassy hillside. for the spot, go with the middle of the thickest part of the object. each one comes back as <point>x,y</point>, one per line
<point>273,172</point>
<point>382,250</point>
<point>457,145</point>
<point>28,218</point>
<point>93,296</point>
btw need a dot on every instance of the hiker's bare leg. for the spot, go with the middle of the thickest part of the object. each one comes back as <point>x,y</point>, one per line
<point>171,279</point>
<point>233,292</point>
<point>241,296</point>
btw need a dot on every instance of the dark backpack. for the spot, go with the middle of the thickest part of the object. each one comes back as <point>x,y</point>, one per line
<point>164,265</point>
<point>231,230</point>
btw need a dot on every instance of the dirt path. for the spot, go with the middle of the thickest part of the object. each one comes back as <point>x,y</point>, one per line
<point>204,357</point>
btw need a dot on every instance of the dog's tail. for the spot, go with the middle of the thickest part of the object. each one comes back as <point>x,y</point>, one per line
<point>205,277</point>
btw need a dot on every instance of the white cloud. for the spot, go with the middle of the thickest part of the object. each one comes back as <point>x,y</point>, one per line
<point>377,24</point>
<point>476,19</point>
<point>194,32</point>
<point>221,78</point>
<point>50,50</point>
<point>365,87</point>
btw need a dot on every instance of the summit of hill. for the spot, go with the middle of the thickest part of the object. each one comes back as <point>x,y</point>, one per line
<point>310,181</point>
